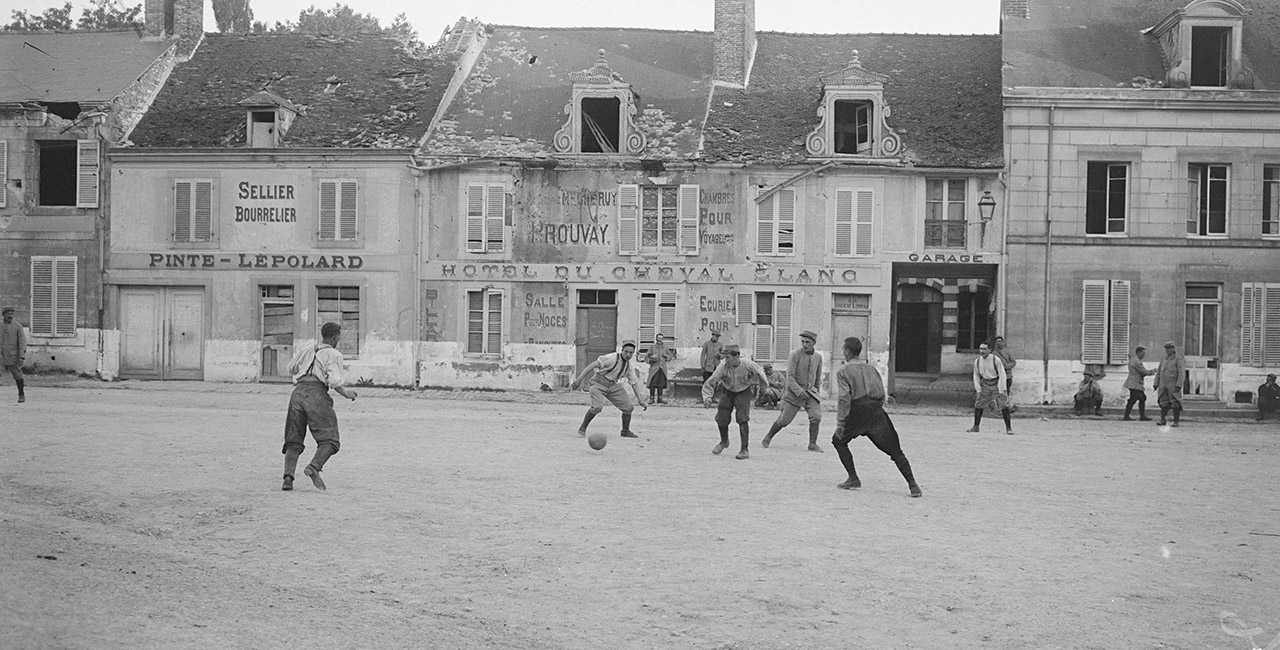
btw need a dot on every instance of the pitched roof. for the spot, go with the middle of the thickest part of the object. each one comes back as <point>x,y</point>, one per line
<point>73,66</point>
<point>1100,44</point>
<point>513,101</point>
<point>943,93</point>
<point>360,91</point>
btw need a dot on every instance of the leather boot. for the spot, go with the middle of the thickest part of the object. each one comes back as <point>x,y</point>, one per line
<point>813,436</point>
<point>905,467</point>
<point>626,426</point>
<point>312,470</point>
<point>744,432</point>
<point>22,392</point>
<point>582,430</point>
<point>724,440</point>
<point>768,437</point>
<point>290,467</point>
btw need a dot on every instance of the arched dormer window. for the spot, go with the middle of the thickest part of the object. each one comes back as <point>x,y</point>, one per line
<point>601,114</point>
<point>1202,45</point>
<point>852,118</point>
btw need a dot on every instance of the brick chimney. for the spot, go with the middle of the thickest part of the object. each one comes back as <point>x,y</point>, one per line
<point>1017,8</point>
<point>735,40</point>
<point>180,19</point>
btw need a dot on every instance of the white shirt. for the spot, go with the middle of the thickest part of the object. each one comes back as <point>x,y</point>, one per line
<point>321,361</point>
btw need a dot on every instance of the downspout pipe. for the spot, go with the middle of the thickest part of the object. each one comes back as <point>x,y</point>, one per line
<point>1048,251</point>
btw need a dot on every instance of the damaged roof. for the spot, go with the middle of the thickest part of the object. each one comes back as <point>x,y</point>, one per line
<point>512,102</point>
<point>1100,44</point>
<point>83,67</point>
<point>943,95</point>
<point>359,91</point>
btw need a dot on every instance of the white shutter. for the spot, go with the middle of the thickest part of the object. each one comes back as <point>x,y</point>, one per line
<point>182,211</point>
<point>475,218</point>
<point>347,212</point>
<point>782,327</point>
<point>87,174</point>
<point>328,210</point>
<point>1250,324</point>
<point>4,173</point>
<point>763,349</point>
<point>42,296</point>
<point>628,219</point>
<point>1093,329</point>
<point>865,213</point>
<point>202,211</point>
<point>493,324</point>
<point>766,226</point>
<point>746,309</point>
<point>494,214</point>
<point>687,208</point>
<point>1119,339</point>
<point>64,298</point>
<point>667,315</point>
<point>648,319</point>
<point>844,222</point>
<point>1271,326</point>
<point>786,222</point>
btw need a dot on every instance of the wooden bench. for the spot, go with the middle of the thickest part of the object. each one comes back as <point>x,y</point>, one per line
<point>686,386</point>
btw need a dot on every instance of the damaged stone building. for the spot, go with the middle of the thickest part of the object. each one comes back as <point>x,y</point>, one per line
<point>66,99</point>
<point>587,186</point>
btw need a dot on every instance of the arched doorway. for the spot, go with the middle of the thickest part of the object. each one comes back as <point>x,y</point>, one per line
<point>918,330</point>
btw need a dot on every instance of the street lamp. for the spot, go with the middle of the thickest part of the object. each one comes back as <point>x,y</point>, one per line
<point>987,206</point>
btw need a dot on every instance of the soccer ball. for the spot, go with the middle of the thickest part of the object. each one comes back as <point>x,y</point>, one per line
<point>597,440</point>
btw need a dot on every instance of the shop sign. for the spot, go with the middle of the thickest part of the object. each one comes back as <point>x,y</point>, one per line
<point>254,261</point>
<point>947,258</point>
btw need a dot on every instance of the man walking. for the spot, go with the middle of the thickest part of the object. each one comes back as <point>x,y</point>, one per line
<point>711,356</point>
<point>1268,398</point>
<point>737,376</point>
<point>990,383</point>
<point>315,370</point>
<point>1006,358</point>
<point>13,349</point>
<point>804,371</point>
<point>1136,383</point>
<point>611,373</point>
<point>862,414</point>
<point>1170,375</point>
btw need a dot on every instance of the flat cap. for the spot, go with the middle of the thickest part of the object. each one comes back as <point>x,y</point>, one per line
<point>6,310</point>
<point>732,347</point>
<point>626,343</point>
<point>1169,344</point>
<point>808,334</point>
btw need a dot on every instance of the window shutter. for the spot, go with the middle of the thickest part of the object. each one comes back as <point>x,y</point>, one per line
<point>87,174</point>
<point>64,298</point>
<point>1250,324</point>
<point>865,215</point>
<point>42,296</point>
<point>1120,292</point>
<point>763,349</point>
<point>203,211</point>
<point>628,219</point>
<point>495,213</point>
<point>4,173</point>
<point>493,339</point>
<point>1271,326</point>
<point>766,227</point>
<point>328,210</point>
<point>687,208</point>
<point>782,331</point>
<point>475,322</point>
<point>1093,331</point>
<point>786,222</point>
<point>182,211</point>
<point>347,213</point>
<point>648,318</point>
<point>844,222</point>
<point>746,309</point>
<point>475,218</point>
<point>667,315</point>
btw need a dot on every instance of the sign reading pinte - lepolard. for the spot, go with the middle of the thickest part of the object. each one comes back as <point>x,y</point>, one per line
<point>266,203</point>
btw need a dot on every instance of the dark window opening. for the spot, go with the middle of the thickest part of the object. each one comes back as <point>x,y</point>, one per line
<point>597,297</point>
<point>264,116</point>
<point>57,172</point>
<point>973,321</point>
<point>1105,197</point>
<point>600,124</point>
<point>764,308</point>
<point>1210,56</point>
<point>64,110</point>
<point>852,127</point>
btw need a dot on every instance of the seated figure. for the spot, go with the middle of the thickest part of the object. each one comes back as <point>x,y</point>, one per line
<point>769,397</point>
<point>1088,396</point>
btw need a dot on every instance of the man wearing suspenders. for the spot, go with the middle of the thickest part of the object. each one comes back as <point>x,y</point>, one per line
<point>315,370</point>
<point>612,371</point>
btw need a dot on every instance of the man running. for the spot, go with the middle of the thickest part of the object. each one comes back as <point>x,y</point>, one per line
<point>612,372</point>
<point>737,376</point>
<point>862,414</point>
<point>804,370</point>
<point>315,370</point>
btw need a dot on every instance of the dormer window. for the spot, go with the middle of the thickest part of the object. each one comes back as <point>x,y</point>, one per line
<point>851,117</point>
<point>268,119</point>
<point>1201,45</point>
<point>601,114</point>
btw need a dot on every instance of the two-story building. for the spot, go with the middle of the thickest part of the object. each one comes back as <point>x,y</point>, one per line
<point>65,100</point>
<point>588,186</point>
<point>269,190</point>
<point>1144,190</point>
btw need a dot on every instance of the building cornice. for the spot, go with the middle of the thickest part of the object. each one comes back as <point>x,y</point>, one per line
<point>1144,98</point>
<point>290,156</point>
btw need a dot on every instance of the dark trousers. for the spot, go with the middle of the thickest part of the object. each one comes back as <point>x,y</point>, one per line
<point>874,423</point>
<point>310,406</point>
<point>730,402</point>
<point>1139,397</point>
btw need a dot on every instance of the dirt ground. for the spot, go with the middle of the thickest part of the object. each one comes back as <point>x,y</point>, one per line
<point>153,519</point>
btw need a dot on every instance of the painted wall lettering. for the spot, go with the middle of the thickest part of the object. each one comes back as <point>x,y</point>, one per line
<point>946,258</point>
<point>644,273</point>
<point>584,196</point>
<point>254,261</point>
<point>256,212</point>
<point>542,232</point>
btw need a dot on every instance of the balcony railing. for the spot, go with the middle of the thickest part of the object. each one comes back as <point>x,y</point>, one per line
<point>944,233</point>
